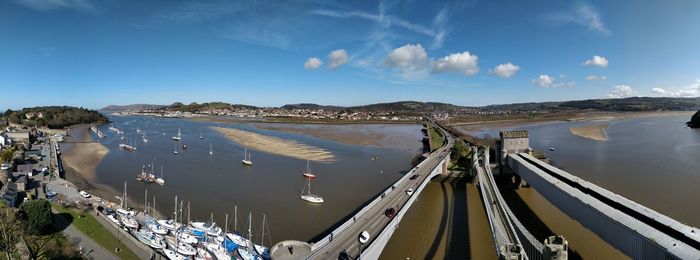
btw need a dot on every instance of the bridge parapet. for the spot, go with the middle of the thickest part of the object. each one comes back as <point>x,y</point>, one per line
<point>635,230</point>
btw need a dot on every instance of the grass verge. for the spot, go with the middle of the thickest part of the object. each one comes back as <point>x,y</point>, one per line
<point>89,226</point>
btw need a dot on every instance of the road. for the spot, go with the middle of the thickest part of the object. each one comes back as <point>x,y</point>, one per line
<point>374,220</point>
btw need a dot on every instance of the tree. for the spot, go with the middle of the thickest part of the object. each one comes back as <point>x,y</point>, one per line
<point>39,216</point>
<point>10,231</point>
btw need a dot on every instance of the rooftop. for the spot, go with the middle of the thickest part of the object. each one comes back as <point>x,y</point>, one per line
<point>514,134</point>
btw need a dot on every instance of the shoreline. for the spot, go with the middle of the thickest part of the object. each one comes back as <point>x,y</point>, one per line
<point>80,162</point>
<point>594,132</point>
<point>223,119</point>
<point>477,126</point>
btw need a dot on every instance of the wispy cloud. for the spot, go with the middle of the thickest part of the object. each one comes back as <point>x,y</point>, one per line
<point>437,31</point>
<point>51,5</point>
<point>193,12</point>
<point>583,14</point>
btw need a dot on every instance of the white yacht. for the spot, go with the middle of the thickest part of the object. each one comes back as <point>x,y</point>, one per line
<point>308,196</point>
<point>149,238</point>
<point>180,246</point>
<point>156,228</point>
<point>178,137</point>
<point>172,255</point>
<point>170,224</point>
<point>246,157</point>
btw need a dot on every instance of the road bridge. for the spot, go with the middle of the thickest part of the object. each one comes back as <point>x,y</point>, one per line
<point>343,241</point>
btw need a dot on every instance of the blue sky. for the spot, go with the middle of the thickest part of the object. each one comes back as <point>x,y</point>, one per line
<point>94,53</point>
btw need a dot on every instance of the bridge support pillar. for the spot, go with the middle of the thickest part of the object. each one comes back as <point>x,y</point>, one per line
<point>512,252</point>
<point>556,248</point>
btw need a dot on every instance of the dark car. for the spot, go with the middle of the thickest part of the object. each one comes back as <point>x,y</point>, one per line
<point>414,177</point>
<point>390,212</point>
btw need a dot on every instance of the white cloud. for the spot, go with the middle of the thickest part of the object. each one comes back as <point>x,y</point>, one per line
<point>621,91</point>
<point>544,81</point>
<point>658,91</point>
<point>692,90</point>
<point>594,78</point>
<point>313,63</point>
<point>410,59</point>
<point>599,61</point>
<point>547,81</point>
<point>49,5</point>
<point>464,62</point>
<point>505,70</point>
<point>583,14</point>
<point>337,58</point>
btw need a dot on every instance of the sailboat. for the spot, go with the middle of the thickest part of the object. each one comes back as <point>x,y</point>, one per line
<point>246,251</point>
<point>308,196</point>
<point>175,151</point>
<point>200,135</point>
<point>263,251</point>
<point>211,152</point>
<point>178,137</point>
<point>160,180</point>
<point>246,157</point>
<point>308,173</point>
<point>144,138</point>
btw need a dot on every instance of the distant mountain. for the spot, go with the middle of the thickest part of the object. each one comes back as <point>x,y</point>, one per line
<point>126,108</point>
<point>391,106</point>
<point>310,106</point>
<point>416,107</point>
<point>616,104</point>
<point>407,106</point>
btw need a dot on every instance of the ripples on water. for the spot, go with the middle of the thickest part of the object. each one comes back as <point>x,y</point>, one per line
<point>215,184</point>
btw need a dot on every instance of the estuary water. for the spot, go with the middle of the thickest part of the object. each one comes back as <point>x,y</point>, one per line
<point>653,160</point>
<point>216,184</point>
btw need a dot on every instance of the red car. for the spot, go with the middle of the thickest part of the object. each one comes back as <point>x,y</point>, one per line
<point>390,212</point>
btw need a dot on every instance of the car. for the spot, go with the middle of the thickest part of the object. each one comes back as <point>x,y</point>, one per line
<point>50,193</point>
<point>390,212</point>
<point>414,177</point>
<point>85,194</point>
<point>409,192</point>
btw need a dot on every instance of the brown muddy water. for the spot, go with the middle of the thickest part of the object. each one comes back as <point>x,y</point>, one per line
<point>216,184</point>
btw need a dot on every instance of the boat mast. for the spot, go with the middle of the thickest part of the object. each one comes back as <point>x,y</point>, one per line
<point>235,217</point>
<point>175,210</point>
<point>250,236</point>
<point>262,235</point>
<point>188,213</point>
<point>124,198</point>
<point>226,228</point>
<point>145,200</point>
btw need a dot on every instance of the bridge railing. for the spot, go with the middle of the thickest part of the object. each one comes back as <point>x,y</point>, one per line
<point>372,252</point>
<point>327,239</point>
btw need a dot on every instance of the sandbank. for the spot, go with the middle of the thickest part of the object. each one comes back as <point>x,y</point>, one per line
<point>595,132</point>
<point>276,145</point>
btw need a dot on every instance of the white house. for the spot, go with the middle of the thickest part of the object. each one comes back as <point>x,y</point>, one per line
<point>4,140</point>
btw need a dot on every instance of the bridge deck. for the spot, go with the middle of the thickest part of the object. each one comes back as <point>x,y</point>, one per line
<point>504,234</point>
<point>631,227</point>
<point>372,218</point>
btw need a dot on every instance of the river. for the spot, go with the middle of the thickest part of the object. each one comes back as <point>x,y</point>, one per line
<point>216,184</point>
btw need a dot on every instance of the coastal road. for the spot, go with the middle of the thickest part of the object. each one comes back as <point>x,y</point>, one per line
<point>374,220</point>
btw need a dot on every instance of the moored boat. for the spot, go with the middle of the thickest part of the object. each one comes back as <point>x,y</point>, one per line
<point>170,224</point>
<point>173,255</point>
<point>149,238</point>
